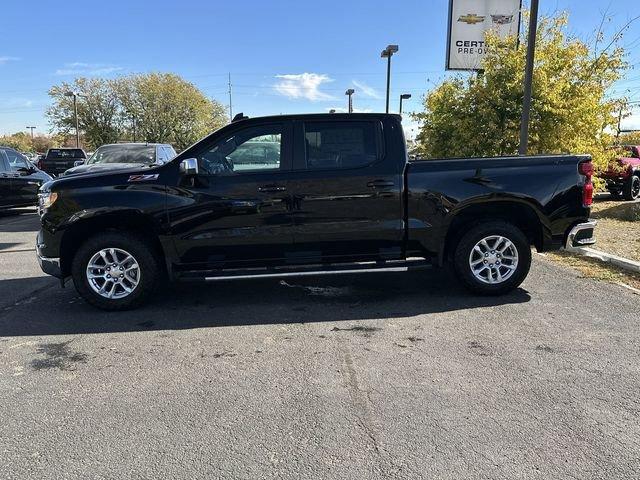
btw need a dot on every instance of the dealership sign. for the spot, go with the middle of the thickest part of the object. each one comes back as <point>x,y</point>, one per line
<point>468,22</point>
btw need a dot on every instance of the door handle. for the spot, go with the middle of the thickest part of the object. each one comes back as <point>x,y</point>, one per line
<point>380,184</point>
<point>272,188</point>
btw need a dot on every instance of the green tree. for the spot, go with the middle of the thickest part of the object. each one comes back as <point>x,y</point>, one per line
<point>99,112</point>
<point>163,107</point>
<point>21,141</point>
<point>629,138</point>
<point>480,115</point>
<point>154,107</point>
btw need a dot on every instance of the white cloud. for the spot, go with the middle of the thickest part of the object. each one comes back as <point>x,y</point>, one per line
<point>344,110</point>
<point>632,122</point>
<point>411,129</point>
<point>82,68</point>
<point>366,90</point>
<point>303,85</point>
<point>7,59</point>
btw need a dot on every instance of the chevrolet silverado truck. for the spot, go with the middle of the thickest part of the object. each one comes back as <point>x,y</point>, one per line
<point>328,194</point>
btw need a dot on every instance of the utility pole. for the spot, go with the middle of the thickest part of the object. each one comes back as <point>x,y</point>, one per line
<point>230,104</point>
<point>32,129</point>
<point>528,78</point>
<point>75,113</point>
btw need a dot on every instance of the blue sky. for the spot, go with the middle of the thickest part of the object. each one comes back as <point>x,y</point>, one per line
<point>283,56</point>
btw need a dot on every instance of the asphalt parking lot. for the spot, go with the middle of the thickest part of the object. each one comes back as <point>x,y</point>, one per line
<point>379,376</point>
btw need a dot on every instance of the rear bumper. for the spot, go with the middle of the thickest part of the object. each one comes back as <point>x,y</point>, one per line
<point>582,235</point>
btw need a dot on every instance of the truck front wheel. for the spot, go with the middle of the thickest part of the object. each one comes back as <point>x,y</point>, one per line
<point>115,271</point>
<point>492,258</point>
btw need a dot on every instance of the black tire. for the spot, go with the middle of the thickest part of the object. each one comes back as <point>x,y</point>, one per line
<point>463,252</point>
<point>149,271</point>
<point>631,190</point>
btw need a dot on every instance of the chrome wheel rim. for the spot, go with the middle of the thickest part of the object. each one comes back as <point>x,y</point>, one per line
<point>493,259</point>
<point>113,273</point>
<point>635,187</point>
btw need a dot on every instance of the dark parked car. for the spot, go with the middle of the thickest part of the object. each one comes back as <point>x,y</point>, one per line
<point>340,196</point>
<point>59,160</point>
<point>125,155</point>
<point>19,180</point>
<point>623,175</point>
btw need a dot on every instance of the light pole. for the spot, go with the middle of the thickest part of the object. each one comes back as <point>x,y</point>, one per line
<point>32,129</point>
<point>404,96</point>
<point>75,113</point>
<point>388,53</point>
<point>349,93</point>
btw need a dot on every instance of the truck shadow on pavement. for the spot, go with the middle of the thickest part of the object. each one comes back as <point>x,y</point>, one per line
<point>51,311</point>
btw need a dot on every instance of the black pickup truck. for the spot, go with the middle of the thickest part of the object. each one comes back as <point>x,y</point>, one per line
<point>59,160</point>
<point>328,193</point>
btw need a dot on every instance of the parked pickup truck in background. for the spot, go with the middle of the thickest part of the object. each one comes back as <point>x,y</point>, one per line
<point>623,175</point>
<point>337,194</point>
<point>59,160</point>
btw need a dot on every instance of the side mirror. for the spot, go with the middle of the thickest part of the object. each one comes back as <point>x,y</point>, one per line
<point>189,166</point>
<point>25,170</point>
<point>77,163</point>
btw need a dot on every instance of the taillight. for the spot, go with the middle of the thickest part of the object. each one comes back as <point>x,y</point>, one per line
<point>586,169</point>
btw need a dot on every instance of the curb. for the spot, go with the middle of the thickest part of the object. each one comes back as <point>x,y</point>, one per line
<point>624,263</point>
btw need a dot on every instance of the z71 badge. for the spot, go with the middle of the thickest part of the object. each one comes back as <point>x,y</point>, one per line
<point>143,178</point>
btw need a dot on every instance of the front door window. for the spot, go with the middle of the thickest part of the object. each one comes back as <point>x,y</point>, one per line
<point>253,149</point>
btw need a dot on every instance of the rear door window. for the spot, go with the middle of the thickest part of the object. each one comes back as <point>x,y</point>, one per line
<point>65,154</point>
<point>341,144</point>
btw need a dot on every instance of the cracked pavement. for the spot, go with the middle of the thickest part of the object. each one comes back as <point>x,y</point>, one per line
<point>378,376</point>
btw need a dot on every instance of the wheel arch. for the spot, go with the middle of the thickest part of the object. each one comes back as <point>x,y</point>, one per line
<point>521,214</point>
<point>130,221</point>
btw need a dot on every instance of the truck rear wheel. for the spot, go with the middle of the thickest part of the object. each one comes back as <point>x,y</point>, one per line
<point>115,271</point>
<point>492,258</point>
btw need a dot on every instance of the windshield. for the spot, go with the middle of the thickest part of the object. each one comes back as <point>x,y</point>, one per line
<point>65,153</point>
<point>124,154</point>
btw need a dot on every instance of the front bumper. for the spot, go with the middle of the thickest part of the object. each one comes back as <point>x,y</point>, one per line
<point>582,235</point>
<point>50,266</point>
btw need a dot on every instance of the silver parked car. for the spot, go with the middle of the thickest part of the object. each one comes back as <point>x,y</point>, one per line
<point>124,155</point>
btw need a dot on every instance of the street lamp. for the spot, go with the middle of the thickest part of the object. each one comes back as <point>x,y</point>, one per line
<point>32,129</point>
<point>75,96</point>
<point>404,96</point>
<point>388,53</point>
<point>350,92</point>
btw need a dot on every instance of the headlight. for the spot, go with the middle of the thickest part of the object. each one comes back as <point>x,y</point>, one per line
<point>45,200</point>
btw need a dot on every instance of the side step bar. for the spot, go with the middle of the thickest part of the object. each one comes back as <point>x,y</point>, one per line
<point>311,270</point>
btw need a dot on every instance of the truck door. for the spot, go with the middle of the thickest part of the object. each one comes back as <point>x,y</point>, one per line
<point>347,191</point>
<point>237,209</point>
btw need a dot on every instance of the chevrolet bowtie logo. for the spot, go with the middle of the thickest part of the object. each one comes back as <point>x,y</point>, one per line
<point>471,18</point>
